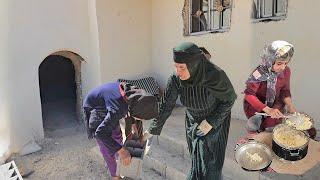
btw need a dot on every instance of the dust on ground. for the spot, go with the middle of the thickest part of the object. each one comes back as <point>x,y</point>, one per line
<point>67,154</point>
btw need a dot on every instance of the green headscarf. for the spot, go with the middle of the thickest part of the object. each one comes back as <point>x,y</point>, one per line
<point>203,72</point>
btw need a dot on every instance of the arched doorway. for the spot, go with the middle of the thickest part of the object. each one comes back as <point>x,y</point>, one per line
<point>60,82</point>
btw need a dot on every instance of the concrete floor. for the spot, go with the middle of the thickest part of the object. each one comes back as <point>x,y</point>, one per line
<point>67,154</point>
<point>59,114</point>
<point>172,139</point>
<point>170,157</point>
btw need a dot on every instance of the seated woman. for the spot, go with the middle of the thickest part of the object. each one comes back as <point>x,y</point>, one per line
<point>268,89</point>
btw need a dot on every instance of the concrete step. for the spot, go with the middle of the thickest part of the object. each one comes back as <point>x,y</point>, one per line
<point>170,156</point>
<point>173,145</point>
<point>168,165</point>
<point>172,160</point>
<point>148,174</point>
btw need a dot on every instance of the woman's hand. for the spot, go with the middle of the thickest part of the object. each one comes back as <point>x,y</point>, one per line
<point>274,113</point>
<point>125,157</point>
<point>203,129</point>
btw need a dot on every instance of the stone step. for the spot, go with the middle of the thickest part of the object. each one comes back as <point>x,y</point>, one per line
<point>172,144</point>
<point>168,165</point>
<point>148,174</point>
<point>172,155</point>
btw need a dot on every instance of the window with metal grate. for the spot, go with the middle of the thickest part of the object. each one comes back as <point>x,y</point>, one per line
<point>266,10</point>
<point>207,16</point>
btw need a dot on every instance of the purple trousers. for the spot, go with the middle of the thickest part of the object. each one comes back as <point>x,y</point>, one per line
<point>109,158</point>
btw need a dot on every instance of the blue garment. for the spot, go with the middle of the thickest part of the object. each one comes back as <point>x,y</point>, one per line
<point>106,97</point>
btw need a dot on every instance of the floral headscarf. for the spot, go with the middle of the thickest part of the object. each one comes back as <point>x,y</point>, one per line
<point>277,50</point>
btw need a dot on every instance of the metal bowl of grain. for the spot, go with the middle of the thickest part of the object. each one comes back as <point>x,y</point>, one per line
<point>253,156</point>
<point>300,121</point>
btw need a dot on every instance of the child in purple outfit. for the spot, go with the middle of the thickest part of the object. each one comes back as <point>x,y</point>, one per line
<point>104,106</point>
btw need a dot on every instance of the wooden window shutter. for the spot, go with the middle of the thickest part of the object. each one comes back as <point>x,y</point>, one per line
<point>216,14</point>
<point>226,18</point>
<point>280,7</point>
<point>256,9</point>
<point>266,8</point>
<point>195,21</point>
<point>215,17</point>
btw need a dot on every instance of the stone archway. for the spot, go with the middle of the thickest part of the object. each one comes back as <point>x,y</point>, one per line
<point>60,90</point>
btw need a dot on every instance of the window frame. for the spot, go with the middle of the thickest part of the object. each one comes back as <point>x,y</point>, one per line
<point>276,16</point>
<point>209,20</point>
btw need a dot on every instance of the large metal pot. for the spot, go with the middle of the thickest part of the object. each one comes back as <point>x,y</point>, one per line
<point>253,156</point>
<point>288,143</point>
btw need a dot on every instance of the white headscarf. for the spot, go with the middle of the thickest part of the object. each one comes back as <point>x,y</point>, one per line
<point>277,50</point>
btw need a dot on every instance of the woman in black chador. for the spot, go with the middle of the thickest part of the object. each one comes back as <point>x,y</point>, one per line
<point>207,93</point>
